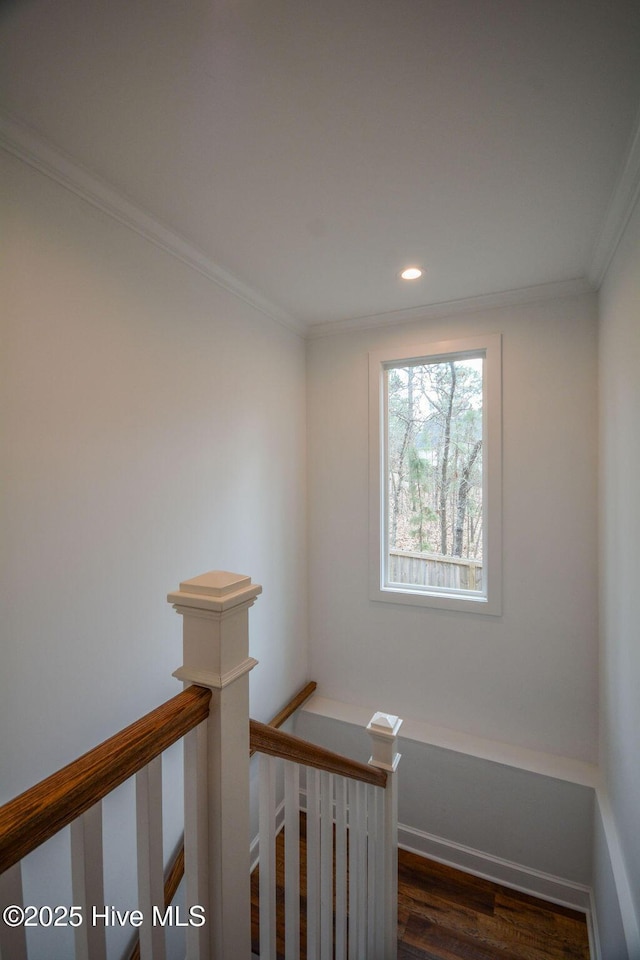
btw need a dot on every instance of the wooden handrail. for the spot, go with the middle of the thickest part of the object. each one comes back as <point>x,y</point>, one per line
<point>39,813</point>
<point>290,708</point>
<point>293,704</point>
<point>265,739</point>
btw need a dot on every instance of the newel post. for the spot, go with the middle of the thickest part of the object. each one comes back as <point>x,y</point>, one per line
<point>383,729</point>
<point>215,611</point>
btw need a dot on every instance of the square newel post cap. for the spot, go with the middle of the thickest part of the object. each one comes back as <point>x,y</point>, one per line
<point>215,612</point>
<point>216,591</point>
<point>383,729</point>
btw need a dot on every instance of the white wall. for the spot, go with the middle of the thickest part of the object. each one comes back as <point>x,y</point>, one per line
<point>154,428</point>
<point>619,345</point>
<point>528,677</point>
<point>507,822</point>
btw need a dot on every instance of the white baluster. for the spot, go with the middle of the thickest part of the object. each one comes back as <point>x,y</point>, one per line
<point>383,729</point>
<point>150,858</point>
<point>356,893</point>
<point>313,865</point>
<point>87,882</point>
<point>13,943</point>
<point>374,865</point>
<point>292,860</point>
<point>341,868</point>
<point>267,834</point>
<point>361,867</point>
<point>326,866</point>
<point>196,873</point>
<point>378,890</point>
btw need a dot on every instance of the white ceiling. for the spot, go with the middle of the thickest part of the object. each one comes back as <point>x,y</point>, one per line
<point>310,150</point>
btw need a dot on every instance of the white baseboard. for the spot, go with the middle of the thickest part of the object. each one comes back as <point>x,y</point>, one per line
<point>525,879</point>
<point>577,896</point>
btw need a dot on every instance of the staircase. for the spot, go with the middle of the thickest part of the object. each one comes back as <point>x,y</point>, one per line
<point>346,883</point>
<point>444,913</point>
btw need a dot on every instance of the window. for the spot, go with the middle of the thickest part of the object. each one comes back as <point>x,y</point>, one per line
<point>435,475</point>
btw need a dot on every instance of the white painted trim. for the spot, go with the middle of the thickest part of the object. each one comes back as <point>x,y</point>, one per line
<point>509,874</point>
<point>434,311</point>
<point>206,678</point>
<point>595,951</point>
<point>533,761</point>
<point>29,146</point>
<point>630,919</point>
<point>26,144</point>
<point>621,205</point>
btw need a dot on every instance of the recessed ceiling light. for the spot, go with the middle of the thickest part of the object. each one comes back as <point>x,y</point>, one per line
<point>411,273</point>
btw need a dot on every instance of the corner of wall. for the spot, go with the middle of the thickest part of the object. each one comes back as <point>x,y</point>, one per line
<point>615,918</point>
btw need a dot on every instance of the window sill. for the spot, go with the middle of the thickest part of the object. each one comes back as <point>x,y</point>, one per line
<point>461,603</point>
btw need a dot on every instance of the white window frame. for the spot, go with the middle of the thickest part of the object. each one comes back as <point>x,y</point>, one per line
<point>489,601</point>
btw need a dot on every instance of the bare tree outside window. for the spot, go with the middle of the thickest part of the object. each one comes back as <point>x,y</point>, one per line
<point>434,472</point>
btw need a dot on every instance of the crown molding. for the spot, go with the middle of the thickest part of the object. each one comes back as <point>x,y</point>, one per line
<point>23,142</point>
<point>621,205</point>
<point>433,311</point>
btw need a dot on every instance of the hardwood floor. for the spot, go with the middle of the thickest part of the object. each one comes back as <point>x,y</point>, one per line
<point>444,914</point>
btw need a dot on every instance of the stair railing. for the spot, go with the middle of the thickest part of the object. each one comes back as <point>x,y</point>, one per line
<point>212,717</point>
<point>74,796</point>
<point>350,882</point>
<point>176,869</point>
